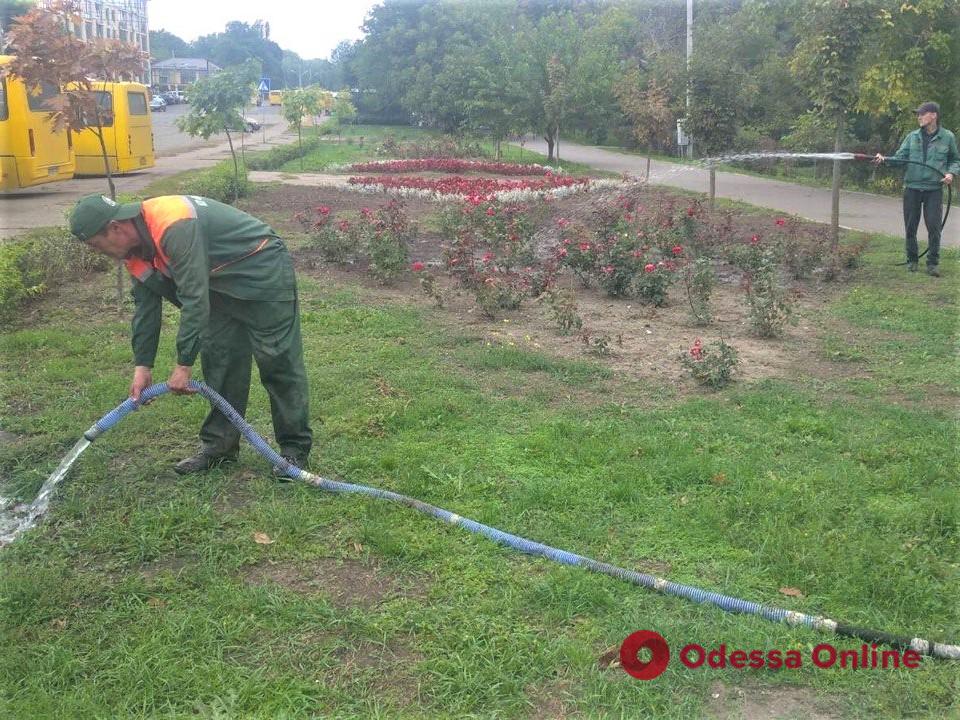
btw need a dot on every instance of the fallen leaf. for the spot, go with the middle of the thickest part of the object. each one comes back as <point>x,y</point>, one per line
<point>610,658</point>
<point>358,547</point>
<point>261,538</point>
<point>59,624</point>
<point>719,479</point>
<point>156,603</point>
<point>792,592</point>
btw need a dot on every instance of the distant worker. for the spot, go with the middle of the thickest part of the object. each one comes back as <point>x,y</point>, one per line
<point>932,145</point>
<point>233,280</point>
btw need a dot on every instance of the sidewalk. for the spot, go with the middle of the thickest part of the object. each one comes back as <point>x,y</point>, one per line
<point>858,210</point>
<point>49,204</point>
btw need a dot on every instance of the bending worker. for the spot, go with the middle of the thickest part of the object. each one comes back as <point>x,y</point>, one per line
<point>233,280</point>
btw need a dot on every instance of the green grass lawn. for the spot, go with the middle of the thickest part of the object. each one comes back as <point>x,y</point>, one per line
<point>143,594</point>
<point>358,143</point>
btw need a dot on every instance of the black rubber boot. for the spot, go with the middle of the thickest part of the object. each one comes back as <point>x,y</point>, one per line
<point>201,462</point>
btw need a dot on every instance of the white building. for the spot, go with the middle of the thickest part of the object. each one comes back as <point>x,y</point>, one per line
<point>124,20</point>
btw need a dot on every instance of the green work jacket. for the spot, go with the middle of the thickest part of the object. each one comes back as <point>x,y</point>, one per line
<point>941,154</point>
<point>192,246</point>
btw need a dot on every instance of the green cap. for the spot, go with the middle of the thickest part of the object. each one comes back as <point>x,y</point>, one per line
<point>93,212</point>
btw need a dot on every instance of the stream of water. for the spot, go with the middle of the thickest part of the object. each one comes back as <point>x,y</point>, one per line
<point>17,519</point>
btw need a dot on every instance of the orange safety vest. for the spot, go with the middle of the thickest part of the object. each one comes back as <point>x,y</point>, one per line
<point>160,213</point>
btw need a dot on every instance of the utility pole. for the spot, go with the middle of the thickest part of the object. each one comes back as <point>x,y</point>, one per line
<point>689,55</point>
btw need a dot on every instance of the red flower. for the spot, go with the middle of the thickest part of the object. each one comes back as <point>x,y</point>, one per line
<point>584,247</point>
<point>649,267</point>
<point>562,252</point>
<point>696,352</point>
<point>323,210</point>
<point>488,257</point>
<point>781,222</point>
<point>754,239</point>
<point>608,269</point>
<point>417,266</point>
<point>491,212</point>
<point>677,250</point>
<point>691,211</point>
<point>343,225</point>
<point>638,253</point>
<point>563,222</point>
<point>366,212</point>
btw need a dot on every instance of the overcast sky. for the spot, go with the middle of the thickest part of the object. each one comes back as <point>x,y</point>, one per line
<point>310,29</point>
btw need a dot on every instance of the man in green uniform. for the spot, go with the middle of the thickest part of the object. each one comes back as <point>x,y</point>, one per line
<point>935,147</point>
<point>233,280</point>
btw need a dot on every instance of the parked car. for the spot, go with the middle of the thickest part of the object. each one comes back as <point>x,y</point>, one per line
<point>169,97</point>
<point>158,104</point>
<point>251,124</point>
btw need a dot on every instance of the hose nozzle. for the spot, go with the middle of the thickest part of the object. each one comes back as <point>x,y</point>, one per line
<point>863,156</point>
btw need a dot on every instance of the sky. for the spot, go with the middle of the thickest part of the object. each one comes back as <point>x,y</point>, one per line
<point>310,29</point>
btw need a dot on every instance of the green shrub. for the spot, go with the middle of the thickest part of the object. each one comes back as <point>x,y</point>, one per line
<point>279,156</point>
<point>711,365</point>
<point>44,258</point>
<point>219,183</point>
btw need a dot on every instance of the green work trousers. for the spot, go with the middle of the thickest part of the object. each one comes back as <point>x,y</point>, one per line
<point>269,332</point>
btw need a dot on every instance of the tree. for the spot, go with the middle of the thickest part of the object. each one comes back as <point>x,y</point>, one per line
<point>343,109</point>
<point>713,116</point>
<point>216,105</point>
<point>47,53</point>
<point>648,110</point>
<point>909,36</point>
<point>826,61</point>
<point>239,43</point>
<point>165,45</point>
<point>296,104</point>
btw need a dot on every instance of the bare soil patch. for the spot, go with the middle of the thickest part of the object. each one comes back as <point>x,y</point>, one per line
<point>346,583</point>
<point>786,703</point>
<point>646,342</point>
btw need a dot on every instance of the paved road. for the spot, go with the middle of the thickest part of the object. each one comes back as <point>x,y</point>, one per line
<point>48,204</point>
<point>859,211</point>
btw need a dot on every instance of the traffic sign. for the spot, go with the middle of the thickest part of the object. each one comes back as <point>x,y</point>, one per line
<point>264,85</point>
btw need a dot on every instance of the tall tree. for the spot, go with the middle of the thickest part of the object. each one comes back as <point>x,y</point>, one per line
<point>649,111</point>
<point>914,56</point>
<point>240,42</point>
<point>165,45</point>
<point>833,34</point>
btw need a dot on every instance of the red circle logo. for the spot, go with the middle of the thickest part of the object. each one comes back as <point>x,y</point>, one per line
<point>659,654</point>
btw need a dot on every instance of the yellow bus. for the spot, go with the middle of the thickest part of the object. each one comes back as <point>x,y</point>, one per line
<point>127,131</point>
<point>276,97</point>
<point>31,153</point>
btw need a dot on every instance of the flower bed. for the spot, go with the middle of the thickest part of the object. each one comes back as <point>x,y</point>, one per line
<point>475,189</point>
<point>449,165</point>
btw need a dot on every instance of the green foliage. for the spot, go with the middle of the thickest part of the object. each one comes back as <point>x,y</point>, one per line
<point>563,307</point>
<point>277,157</point>
<point>769,306</point>
<point>711,365</point>
<point>216,105</point>
<point>42,259</point>
<point>217,102</point>
<point>221,182</point>
<point>699,281</point>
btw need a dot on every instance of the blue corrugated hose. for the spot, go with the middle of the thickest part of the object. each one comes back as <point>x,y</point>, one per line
<point>725,602</point>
